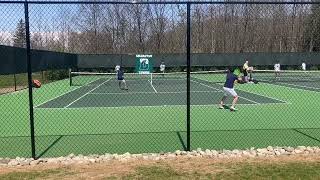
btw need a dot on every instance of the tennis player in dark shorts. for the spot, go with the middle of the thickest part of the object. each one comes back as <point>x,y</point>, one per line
<point>245,71</point>
<point>120,76</point>
<point>228,89</point>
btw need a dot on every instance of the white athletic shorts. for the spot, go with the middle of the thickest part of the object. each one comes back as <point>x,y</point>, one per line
<point>277,69</point>
<point>229,92</point>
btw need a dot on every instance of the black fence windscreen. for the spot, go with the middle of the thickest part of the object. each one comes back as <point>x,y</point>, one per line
<point>13,60</point>
<point>115,77</point>
<point>202,59</point>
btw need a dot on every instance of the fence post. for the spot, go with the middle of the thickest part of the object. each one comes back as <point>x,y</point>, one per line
<point>15,82</point>
<point>26,13</point>
<point>188,76</point>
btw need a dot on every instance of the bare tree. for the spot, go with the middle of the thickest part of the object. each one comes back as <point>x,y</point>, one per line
<point>158,25</point>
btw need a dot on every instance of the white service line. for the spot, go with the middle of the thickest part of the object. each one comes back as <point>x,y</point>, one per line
<point>153,87</point>
<point>87,93</point>
<point>206,85</point>
<point>249,100</point>
<point>263,96</point>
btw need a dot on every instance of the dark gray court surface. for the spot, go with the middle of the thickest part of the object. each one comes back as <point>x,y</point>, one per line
<point>310,86</point>
<point>168,92</point>
<point>300,80</point>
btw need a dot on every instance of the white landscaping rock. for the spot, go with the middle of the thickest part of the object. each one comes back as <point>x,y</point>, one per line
<point>178,152</point>
<point>126,157</point>
<point>35,162</point>
<point>301,148</point>
<point>310,149</point>
<point>278,153</point>
<point>214,153</point>
<point>289,149</point>
<point>298,151</point>
<point>270,148</point>
<point>27,162</point>
<point>171,156</point>
<point>316,150</point>
<point>13,162</point>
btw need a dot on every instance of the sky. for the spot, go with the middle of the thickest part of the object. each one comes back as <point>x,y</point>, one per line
<point>45,15</point>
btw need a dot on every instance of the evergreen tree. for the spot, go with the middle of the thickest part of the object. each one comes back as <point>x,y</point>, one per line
<point>19,37</point>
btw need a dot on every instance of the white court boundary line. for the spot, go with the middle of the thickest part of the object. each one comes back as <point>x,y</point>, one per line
<point>60,95</point>
<point>162,106</point>
<point>153,87</point>
<point>299,89</point>
<point>87,93</point>
<point>205,85</point>
<point>264,96</point>
<point>259,95</point>
<point>221,90</point>
<point>173,92</point>
<point>299,85</point>
<point>57,97</point>
<point>249,100</point>
<point>217,90</point>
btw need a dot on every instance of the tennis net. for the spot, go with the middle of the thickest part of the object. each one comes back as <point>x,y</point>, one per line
<point>94,78</point>
<point>269,76</point>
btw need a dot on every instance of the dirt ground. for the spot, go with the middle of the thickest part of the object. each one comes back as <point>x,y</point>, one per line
<point>183,168</point>
<point>4,90</point>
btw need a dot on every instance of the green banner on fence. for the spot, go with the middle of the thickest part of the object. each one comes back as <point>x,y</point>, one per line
<point>144,64</point>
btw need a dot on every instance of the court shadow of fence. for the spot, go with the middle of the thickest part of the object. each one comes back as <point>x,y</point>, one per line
<point>86,144</point>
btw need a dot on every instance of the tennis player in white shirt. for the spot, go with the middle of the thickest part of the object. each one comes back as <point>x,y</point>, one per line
<point>277,69</point>
<point>162,68</point>
<point>304,66</point>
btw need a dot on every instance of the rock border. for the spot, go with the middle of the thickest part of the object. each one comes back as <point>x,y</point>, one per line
<point>90,159</point>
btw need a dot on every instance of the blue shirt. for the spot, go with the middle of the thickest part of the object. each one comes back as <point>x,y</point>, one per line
<point>120,75</point>
<point>230,80</point>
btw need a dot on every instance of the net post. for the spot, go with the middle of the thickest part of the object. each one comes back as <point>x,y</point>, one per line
<point>33,146</point>
<point>188,75</point>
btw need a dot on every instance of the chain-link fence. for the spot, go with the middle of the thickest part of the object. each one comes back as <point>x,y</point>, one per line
<point>157,76</point>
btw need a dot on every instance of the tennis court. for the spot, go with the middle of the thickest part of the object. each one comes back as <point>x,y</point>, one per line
<point>95,116</point>
<point>306,80</point>
<point>163,91</point>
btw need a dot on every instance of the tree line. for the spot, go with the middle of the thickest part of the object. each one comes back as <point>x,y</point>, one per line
<point>223,28</point>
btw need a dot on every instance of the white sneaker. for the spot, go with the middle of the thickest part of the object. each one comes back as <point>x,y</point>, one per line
<point>233,109</point>
<point>221,107</point>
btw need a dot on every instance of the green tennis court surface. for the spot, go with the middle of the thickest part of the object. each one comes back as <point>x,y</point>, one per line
<point>97,117</point>
<point>105,92</point>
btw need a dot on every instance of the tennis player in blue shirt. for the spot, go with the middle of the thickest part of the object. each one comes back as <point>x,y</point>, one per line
<point>121,80</point>
<point>228,88</point>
